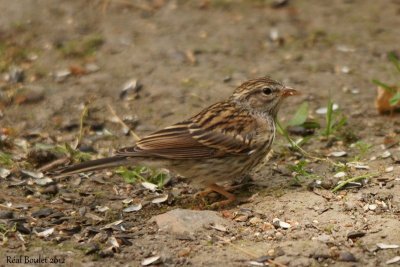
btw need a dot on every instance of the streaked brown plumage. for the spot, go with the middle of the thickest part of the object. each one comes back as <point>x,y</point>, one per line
<point>224,141</point>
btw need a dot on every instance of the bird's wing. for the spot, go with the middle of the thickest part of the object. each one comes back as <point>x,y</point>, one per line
<point>217,131</point>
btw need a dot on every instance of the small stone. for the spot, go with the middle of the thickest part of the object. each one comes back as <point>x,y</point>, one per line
<point>345,70</point>
<point>372,207</point>
<point>278,223</point>
<point>6,214</point>
<point>61,75</point>
<point>355,234</point>
<point>278,236</point>
<point>179,221</point>
<point>184,252</point>
<point>386,154</point>
<point>90,248</point>
<point>91,67</point>
<point>160,199</point>
<point>255,220</point>
<point>349,205</point>
<point>219,227</point>
<point>102,208</point>
<point>324,238</point>
<point>42,213</point>
<point>242,218</point>
<point>267,226</point>
<point>16,75</point>
<point>31,94</point>
<point>389,169</point>
<point>43,181</point>
<point>133,86</point>
<point>51,189</point>
<point>347,257</point>
<point>4,173</point>
<point>132,208</point>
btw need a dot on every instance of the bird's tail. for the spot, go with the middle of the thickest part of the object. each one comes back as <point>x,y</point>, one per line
<point>91,165</point>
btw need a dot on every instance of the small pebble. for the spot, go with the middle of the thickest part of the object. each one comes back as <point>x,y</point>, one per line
<point>389,169</point>
<point>386,154</point>
<point>355,234</point>
<point>61,75</point>
<point>347,257</point>
<point>255,220</point>
<point>340,175</point>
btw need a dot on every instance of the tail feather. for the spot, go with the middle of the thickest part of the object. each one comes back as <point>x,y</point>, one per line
<point>91,165</point>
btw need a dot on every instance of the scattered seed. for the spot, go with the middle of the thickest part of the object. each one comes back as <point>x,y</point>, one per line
<point>278,223</point>
<point>92,216</point>
<point>345,70</point>
<point>36,175</point>
<point>160,199</point>
<point>45,233</point>
<point>387,246</point>
<point>127,200</point>
<point>345,49</point>
<point>114,242</point>
<point>358,165</point>
<point>4,173</point>
<point>274,35</point>
<point>131,85</point>
<point>44,181</point>
<point>256,263</point>
<point>340,175</point>
<point>91,67</point>
<point>219,227</point>
<point>110,225</point>
<point>132,208</point>
<point>389,169</point>
<point>102,208</point>
<point>150,260</point>
<point>337,154</point>
<point>149,186</point>
<point>393,260</point>
<point>386,154</point>
<point>61,75</point>
<point>324,110</point>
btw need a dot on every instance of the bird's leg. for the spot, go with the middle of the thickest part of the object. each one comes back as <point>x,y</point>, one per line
<point>220,190</point>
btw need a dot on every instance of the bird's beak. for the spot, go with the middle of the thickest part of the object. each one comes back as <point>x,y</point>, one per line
<point>288,91</point>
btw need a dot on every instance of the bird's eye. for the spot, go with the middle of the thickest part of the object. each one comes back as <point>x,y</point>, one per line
<point>267,91</point>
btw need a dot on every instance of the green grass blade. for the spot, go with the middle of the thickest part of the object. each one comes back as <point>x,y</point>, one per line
<point>388,88</point>
<point>396,62</point>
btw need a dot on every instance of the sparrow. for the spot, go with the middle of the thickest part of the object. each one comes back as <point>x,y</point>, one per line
<point>222,142</point>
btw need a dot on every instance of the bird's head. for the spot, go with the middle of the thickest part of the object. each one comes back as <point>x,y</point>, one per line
<point>262,95</point>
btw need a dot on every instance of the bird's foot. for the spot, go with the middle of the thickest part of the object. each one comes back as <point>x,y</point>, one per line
<point>220,190</point>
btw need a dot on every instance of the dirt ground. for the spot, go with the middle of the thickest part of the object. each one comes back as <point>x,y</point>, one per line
<point>58,58</point>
